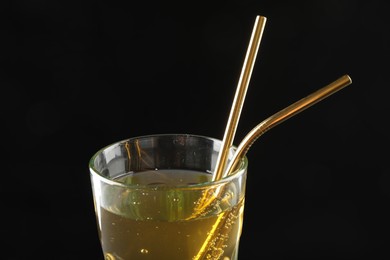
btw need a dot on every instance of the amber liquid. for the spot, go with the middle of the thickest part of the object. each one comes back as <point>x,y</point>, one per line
<point>165,224</point>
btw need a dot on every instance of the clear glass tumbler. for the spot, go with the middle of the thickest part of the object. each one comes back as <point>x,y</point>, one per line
<point>154,199</point>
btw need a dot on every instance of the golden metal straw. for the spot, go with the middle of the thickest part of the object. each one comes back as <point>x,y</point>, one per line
<point>283,115</point>
<point>220,228</point>
<point>239,97</point>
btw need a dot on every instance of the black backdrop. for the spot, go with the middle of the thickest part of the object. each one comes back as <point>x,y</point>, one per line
<point>76,76</point>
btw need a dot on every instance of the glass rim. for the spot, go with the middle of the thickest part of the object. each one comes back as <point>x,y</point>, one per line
<point>241,169</point>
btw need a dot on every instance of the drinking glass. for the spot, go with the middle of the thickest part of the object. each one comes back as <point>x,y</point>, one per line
<point>154,198</point>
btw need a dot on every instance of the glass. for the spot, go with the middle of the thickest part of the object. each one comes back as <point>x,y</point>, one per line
<point>154,199</point>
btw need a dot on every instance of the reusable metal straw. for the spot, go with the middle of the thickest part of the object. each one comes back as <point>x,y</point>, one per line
<point>213,242</point>
<point>239,97</point>
<point>231,127</point>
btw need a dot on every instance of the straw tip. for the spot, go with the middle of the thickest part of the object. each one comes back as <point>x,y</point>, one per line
<point>348,77</point>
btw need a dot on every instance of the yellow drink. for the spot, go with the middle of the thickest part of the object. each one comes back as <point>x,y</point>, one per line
<point>163,220</point>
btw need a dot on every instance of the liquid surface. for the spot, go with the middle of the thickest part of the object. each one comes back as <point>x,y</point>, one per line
<point>169,223</point>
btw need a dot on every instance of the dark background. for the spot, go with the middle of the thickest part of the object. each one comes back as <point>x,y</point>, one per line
<point>76,76</point>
